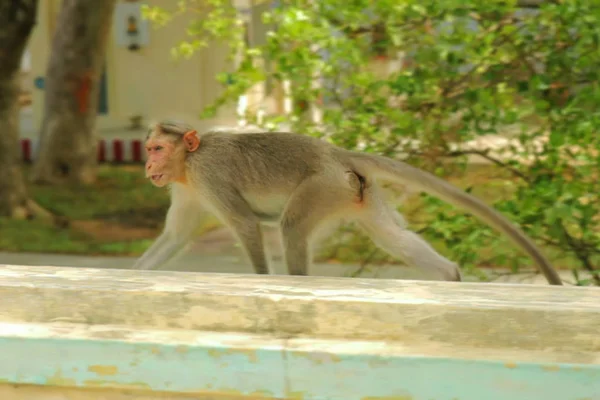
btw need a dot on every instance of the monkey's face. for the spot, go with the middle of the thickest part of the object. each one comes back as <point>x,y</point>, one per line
<point>165,162</point>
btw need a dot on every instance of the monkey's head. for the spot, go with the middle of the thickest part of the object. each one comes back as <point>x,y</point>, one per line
<point>166,145</point>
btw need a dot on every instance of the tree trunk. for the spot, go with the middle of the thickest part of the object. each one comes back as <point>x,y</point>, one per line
<point>17,19</point>
<point>67,138</point>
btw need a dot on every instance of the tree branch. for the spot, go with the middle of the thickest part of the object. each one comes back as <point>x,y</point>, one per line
<point>485,154</point>
<point>581,253</point>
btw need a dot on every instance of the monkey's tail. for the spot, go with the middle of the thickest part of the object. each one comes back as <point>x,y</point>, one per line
<point>400,172</point>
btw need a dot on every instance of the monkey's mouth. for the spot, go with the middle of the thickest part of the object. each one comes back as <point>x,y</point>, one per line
<point>156,177</point>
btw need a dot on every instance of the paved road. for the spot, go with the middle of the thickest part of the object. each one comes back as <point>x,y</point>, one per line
<point>191,261</point>
<point>195,260</point>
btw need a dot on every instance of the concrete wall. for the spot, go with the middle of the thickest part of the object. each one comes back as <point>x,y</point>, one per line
<point>147,82</point>
<point>68,333</point>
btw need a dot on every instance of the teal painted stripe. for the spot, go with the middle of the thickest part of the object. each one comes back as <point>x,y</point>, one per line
<point>277,372</point>
<point>427,378</point>
<point>160,367</point>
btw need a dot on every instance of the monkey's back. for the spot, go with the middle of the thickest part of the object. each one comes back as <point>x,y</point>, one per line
<point>252,161</point>
<point>263,168</point>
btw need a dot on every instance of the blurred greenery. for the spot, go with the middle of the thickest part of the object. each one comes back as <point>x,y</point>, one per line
<point>471,68</point>
<point>107,219</point>
<point>119,215</point>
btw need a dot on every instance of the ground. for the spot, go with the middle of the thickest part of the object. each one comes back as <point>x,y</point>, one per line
<point>122,213</point>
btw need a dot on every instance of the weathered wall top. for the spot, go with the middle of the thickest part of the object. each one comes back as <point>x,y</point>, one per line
<point>416,313</point>
<point>118,334</point>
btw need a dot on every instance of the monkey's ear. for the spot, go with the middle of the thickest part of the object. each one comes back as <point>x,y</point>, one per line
<point>191,140</point>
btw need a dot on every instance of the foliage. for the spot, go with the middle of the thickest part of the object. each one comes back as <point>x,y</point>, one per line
<point>470,68</point>
<point>106,218</point>
<point>120,215</point>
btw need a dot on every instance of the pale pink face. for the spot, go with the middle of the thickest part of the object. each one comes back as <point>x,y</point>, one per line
<point>165,161</point>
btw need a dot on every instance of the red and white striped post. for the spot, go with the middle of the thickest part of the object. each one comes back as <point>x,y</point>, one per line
<point>116,151</point>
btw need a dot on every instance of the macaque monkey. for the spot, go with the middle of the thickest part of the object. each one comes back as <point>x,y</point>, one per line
<point>302,184</point>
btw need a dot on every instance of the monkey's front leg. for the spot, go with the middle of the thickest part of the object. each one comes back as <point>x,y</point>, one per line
<point>182,219</point>
<point>156,253</point>
<point>235,212</point>
<point>249,233</point>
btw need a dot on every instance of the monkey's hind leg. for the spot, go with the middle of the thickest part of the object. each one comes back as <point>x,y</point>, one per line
<point>317,203</point>
<point>387,228</point>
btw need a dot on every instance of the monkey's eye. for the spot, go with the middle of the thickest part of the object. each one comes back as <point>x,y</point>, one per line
<point>157,148</point>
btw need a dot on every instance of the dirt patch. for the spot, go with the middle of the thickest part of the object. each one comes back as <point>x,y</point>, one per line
<point>108,231</point>
<point>143,218</point>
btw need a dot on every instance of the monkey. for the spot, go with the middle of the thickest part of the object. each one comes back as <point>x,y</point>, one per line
<point>301,184</point>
